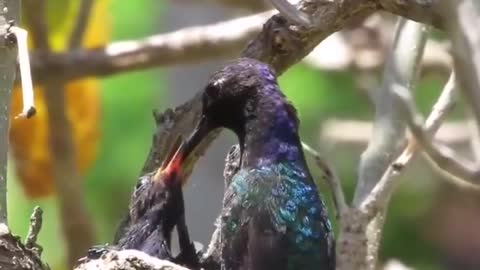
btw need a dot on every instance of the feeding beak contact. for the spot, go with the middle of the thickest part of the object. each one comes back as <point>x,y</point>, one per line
<point>173,167</point>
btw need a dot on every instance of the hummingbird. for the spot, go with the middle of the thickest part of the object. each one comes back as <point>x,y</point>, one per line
<point>272,216</point>
<point>156,209</point>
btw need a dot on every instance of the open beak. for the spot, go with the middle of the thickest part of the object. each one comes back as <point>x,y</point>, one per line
<point>171,170</point>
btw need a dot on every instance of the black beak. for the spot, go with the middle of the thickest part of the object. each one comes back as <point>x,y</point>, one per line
<point>196,137</point>
<point>186,148</point>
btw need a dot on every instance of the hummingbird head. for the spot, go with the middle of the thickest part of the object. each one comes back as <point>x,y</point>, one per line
<point>230,98</point>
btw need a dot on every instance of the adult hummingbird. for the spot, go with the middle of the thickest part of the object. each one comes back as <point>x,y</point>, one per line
<point>273,216</point>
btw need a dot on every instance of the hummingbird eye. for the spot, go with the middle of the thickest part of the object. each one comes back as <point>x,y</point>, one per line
<point>213,89</point>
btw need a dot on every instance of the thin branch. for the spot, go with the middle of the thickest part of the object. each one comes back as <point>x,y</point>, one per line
<point>444,159</point>
<point>389,128</point>
<point>188,45</point>
<point>81,23</point>
<point>279,44</point>
<point>332,178</point>
<point>75,221</point>
<point>36,221</point>
<point>341,52</point>
<point>357,133</point>
<point>423,11</point>
<point>249,5</point>
<point>396,265</point>
<point>379,196</point>
<point>26,77</point>
<point>292,13</point>
<point>462,18</point>
<point>127,259</point>
<point>474,139</point>
<point>9,10</point>
<point>388,135</point>
<point>35,12</point>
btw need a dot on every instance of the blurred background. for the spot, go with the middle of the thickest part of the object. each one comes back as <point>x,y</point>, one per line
<point>431,224</point>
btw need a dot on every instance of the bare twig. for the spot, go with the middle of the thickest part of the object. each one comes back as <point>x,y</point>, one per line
<point>462,18</point>
<point>250,5</point>
<point>188,45</point>
<point>26,77</point>
<point>357,132</point>
<point>332,178</point>
<point>9,10</point>
<point>35,13</point>
<point>127,259</point>
<point>279,44</point>
<point>33,231</point>
<point>424,11</point>
<point>291,12</point>
<point>217,41</point>
<point>378,198</point>
<point>474,139</point>
<point>13,255</point>
<point>81,23</point>
<point>445,159</point>
<point>388,128</point>
<point>339,52</point>
<point>75,221</point>
<point>388,135</point>
<point>396,265</point>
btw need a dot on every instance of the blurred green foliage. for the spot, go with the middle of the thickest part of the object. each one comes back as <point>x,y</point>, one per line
<point>126,135</point>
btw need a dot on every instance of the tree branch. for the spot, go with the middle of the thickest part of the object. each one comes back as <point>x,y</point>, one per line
<point>284,46</point>
<point>188,45</point>
<point>292,13</point>
<point>462,18</point>
<point>127,259</point>
<point>357,133</point>
<point>444,159</point>
<point>362,230</point>
<point>35,12</point>
<point>80,25</point>
<point>423,11</point>
<point>396,265</point>
<point>474,129</point>
<point>250,5</point>
<point>363,48</point>
<point>378,199</point>
<point>74,218</point>
<point>13,255</point>
<point>36,221</point>
<point>389,128</point>
<point>10,10</point>
<point>332,180</point>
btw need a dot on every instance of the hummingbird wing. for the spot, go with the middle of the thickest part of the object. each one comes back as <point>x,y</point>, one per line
<point>267,247</point>
<point>273,219</point>
<point>250,240</point>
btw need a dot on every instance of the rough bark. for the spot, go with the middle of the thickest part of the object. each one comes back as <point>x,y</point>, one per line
<point>9,10</point>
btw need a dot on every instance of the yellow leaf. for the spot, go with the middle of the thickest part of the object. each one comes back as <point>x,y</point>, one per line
<point>29,137</point>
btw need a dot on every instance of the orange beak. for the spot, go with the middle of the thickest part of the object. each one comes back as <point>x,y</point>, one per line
<point>170,172</point>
